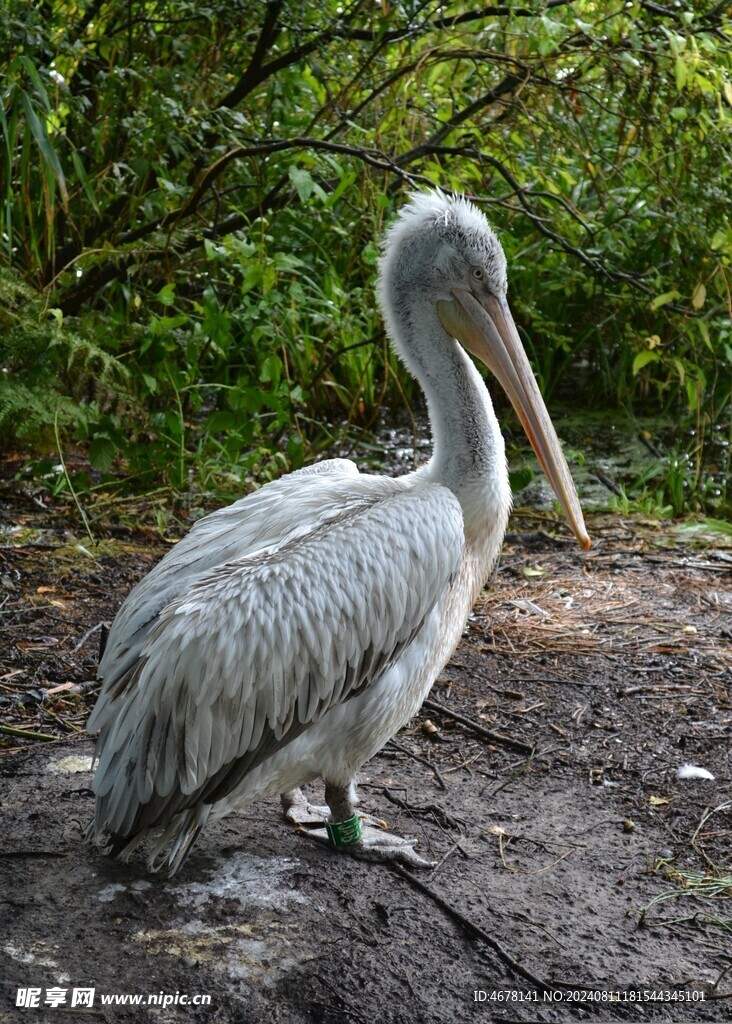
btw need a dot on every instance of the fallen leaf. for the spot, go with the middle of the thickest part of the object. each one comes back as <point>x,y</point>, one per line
<point>38,643</point>
<point>533,571</point>
<point>530,607</point>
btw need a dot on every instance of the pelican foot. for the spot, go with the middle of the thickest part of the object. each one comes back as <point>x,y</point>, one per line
<point>377,846</point>
<point>384,848</point>
<point>299,811</point>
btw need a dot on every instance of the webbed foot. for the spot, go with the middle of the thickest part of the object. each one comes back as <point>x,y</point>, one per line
<point>348,831</point>
<point>377,846</point>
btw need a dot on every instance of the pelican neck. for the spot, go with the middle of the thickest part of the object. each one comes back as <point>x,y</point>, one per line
<point>467,444</point>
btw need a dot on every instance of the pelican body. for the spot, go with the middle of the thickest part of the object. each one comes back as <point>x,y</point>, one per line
<point>288,636</point>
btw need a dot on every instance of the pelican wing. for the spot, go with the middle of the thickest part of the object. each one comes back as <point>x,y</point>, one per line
<point>254,652</point>
<point>278,512</point>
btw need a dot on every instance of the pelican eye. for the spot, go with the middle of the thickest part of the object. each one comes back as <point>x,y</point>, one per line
<point>478,273</point>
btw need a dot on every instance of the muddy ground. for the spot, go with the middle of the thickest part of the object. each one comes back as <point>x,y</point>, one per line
<point>542,778</point>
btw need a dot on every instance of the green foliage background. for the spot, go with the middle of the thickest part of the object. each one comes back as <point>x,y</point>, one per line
<point>192,195</point>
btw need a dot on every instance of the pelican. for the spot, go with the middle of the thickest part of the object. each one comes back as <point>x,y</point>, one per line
<point>288,636</point>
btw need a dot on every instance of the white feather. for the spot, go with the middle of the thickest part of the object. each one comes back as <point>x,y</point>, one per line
<point>692,771</point>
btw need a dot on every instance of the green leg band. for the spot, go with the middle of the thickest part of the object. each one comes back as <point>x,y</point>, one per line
<point>344,833</point>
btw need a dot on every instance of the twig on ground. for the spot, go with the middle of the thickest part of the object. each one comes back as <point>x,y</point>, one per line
<point>524,766</point>
<point>442,816</point>
<point>32,853</point>
<point>708,812</point>
<point>478,932</point>
<point>495,737</point>
<point>422,760</point>
<point>86,637</point>
<point>443,858</point>
<point>26,734</point>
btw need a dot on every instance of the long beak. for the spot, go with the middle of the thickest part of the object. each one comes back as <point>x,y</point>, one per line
<point>487,330</point>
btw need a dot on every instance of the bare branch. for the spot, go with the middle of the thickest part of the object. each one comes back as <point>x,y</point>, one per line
<point>254,73</point>
<point>493,11</point>
<point>601,269</point>
<point>507,85</point>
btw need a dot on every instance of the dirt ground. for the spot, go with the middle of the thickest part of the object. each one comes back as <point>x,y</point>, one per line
<point>578,876</point>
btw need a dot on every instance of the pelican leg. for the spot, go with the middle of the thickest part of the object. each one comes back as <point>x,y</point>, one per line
<point>299,811</point>
<point>374,844</point>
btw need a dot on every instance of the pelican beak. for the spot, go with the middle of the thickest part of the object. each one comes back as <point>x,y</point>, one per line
<point>487,329</point>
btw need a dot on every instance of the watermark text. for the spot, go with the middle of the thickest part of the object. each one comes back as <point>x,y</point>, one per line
<point>35,997</point>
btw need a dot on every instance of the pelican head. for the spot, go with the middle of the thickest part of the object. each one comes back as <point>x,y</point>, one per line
<point>452,260</point>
